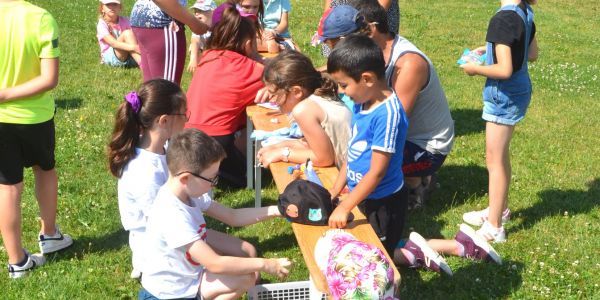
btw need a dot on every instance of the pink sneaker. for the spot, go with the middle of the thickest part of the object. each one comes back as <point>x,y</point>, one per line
<point>425,257</point>
<point>491,233</point>
<point>475,246</point>
<point>476,218</point>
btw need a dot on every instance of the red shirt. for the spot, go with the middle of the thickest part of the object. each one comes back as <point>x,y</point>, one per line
<point>225,82</point>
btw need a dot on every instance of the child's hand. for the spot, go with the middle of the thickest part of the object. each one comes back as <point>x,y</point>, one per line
<point>470,68</point>
<point>191,67</point>
<point>278,266</point>
<point>268,157</point>
<point>269,35</point>
<point>263,96</point>
<point>339,217</point>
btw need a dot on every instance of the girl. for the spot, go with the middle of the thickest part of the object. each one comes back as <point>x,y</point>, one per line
<point>224,83</point>
<point>275,21</point>
<point>257,8</point>
<point>118,45</point>
<point>312,100</point>
<point>143,124</point>
<point>158,26</point>
<point>510,44</point>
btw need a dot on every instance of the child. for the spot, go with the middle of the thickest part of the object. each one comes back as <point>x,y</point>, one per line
<point>378,132</point>
<point>228,71</point>
<point>275,22</point>
<point>186,259</point>
<point>159,29</point>
<point>29,70</point>
<point>143,124</point>
<point>118,45</point>
<point>203,11</point>
<point>312,100</point>
<point>506,96</point>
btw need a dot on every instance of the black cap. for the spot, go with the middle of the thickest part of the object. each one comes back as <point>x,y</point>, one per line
<point>306,202</point>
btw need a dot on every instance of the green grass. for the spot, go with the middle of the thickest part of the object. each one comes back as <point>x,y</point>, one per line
<point>554,241</point>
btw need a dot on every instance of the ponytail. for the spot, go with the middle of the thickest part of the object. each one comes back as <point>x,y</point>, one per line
<point>329,88</point>
<point>136,115</point>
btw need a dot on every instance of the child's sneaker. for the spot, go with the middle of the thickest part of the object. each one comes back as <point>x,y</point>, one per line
<point>135,274</point>
<point>425,257</point>
<point>476,218</point>
<point>56,242</point>
<point>491,233</point>
<point>476,247</point>
<point>33,260</point>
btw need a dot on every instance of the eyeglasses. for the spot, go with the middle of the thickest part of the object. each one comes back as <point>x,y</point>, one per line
<point>187,115</point>
<point>213,181</point>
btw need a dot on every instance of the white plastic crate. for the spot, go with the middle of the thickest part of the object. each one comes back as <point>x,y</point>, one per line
<point>296,290</point>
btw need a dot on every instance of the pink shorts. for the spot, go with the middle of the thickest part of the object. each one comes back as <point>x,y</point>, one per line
<point>163,52</point>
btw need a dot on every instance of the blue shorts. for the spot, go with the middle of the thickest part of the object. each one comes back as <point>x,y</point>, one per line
<point>145,295</point>
<point>419,162</point>
<point>502,106</point>
<point>110,58</point>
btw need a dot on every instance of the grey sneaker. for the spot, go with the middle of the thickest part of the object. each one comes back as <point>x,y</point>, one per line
<point>425,257</point>
<point>33,260</point>
<point>58,241</point>
<point>475,246</point>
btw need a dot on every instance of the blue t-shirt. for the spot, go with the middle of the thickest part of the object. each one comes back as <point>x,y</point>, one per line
<point>381,128</point>
<point>273,11</point>
<point>145,13</point>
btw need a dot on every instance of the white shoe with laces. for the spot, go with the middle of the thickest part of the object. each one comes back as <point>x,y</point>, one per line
<point>56,242</point>
<point>491,233</point>
<point>478,217</point>
<point>33,261</point>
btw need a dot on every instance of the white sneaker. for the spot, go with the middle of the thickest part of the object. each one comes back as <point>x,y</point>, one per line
<point>491,233</point>
<point>58,241</point>
<point>33,260</point>
<point>476,218</point>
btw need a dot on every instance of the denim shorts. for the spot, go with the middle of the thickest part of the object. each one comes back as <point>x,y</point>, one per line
<point>110,58</point>
<point>504,103</point>
<point>145,295</point>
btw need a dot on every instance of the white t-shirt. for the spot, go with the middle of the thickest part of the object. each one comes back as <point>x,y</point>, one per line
<point>142,178</point>
<point>172,225</point>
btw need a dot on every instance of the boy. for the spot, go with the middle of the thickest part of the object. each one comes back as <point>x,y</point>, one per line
<point>378,132</point>
<point>379,127</point>
<point>182,252</point>
<point>29,46</point>
<point>203,11</point>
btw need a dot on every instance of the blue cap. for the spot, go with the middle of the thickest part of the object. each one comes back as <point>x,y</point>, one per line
<point>339,21</point>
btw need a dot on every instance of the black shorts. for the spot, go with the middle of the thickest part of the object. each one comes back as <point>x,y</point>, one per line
<point>386,216</point>
<point>420,162</point>
<point>25,145</point>
<point>233,167</point>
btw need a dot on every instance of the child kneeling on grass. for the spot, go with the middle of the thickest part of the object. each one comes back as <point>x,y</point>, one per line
<point>186,259</point>
<point>373,169</point>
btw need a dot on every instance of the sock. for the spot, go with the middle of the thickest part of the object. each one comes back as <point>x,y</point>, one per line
<point>461,249</point>
<point>410,258</point>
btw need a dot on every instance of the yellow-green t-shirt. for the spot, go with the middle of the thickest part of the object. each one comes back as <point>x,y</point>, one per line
<point>27,34</point>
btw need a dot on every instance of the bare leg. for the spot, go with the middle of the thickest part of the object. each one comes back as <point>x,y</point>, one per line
<point>129,38</point>
<point>413,182</point>
<point>10,221</point>
<point>448,247</point>
<point>219,286</point>
<point>46,192</point>
<point>272,46</point>
<point>497,142</point>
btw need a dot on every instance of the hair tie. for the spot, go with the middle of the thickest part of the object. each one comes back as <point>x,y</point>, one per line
<point>133,100</point>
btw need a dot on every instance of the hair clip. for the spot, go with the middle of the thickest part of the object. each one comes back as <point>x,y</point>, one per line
<point>133,100</point>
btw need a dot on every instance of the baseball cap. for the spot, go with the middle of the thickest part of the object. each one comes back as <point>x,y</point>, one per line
<point>204,5</point>
<point>110,1</point>
<point>339,21</point>
<point>218,13</point>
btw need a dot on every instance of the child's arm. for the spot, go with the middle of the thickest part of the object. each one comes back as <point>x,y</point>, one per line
<point>283,23</point>
<point>193,54</point>
<point>241,216</point>
<point>533,50</point>
<point>181,14</point>
<point>340,181</point>
<point>47,80</point>
<point>110,40</point>
<point>500,70</point>
<point>385,3</point>
<point>203,254</point>
<point>379,163</point>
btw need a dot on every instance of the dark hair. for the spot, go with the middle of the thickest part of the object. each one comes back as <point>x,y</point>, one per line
<point>193,151</point>
<point>231,32</point>
<point>372,11</point>
<point>355,55</point>
<point>291,68</point>
<point>260,14</point>
<point>157,97</point>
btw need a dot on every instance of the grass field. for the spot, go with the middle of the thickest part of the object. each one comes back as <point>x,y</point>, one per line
<point>554,238</point>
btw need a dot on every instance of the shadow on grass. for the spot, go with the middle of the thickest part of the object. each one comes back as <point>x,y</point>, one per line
<point>69,103</point>
<point>477,280</point>
<point>83,245</point>
<point>467,121</point>
<point>555,202</point>
<point>458,184</point>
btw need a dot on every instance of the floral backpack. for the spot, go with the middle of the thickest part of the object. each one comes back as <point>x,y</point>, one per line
<point>354,269</point>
